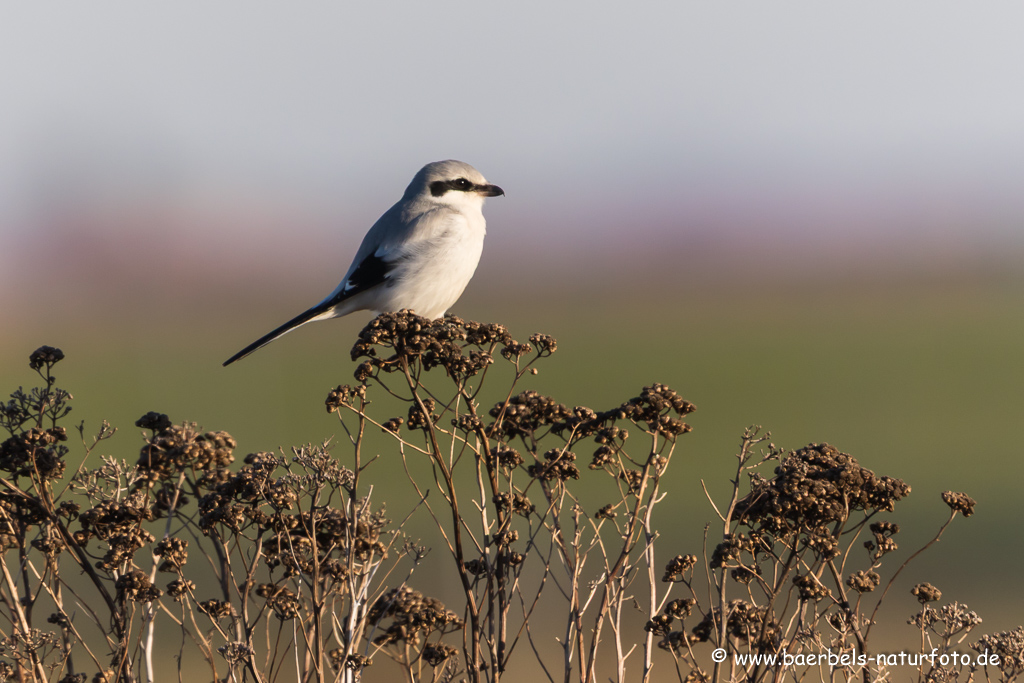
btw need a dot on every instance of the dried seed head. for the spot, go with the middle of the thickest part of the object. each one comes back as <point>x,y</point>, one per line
<point>675,570</point>
<point>925,593</point>
<point>680,608</point>
<point>1009,646</point>
<point>178,588</point>
<point>344,395</point>
<point>659,624</point>
<point>153,421</point>
<point>136,586</point>
<point>813,489</point>
<point>863,581</point>
<point>746,622</point>
<point>959,502</point>
<point>810,588</point>
<point>45,355</point>
<point>437,653</point>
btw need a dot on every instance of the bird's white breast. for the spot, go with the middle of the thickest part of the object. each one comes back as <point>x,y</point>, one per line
<point>436,271</point>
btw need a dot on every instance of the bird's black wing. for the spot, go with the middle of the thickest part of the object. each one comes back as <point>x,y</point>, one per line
<point>372,271</point>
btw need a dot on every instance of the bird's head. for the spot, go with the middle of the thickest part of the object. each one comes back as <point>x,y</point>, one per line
<point>451,182</point>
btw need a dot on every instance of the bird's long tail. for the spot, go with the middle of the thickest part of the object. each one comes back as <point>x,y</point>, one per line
<point>312,314</point>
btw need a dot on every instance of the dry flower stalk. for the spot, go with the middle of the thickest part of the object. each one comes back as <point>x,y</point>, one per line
<point>280,566</point>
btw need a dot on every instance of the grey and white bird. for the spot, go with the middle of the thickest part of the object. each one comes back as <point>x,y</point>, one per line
<point>420,254</point>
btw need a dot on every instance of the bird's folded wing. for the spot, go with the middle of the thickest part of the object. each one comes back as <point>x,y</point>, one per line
<point>368,273</point>
<point>382,252</point>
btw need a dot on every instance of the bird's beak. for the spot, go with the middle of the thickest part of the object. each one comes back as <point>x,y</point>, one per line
<point>490,190</point>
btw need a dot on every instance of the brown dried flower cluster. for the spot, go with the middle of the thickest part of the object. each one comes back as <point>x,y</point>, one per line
<point>437,653</point>
<point>677,568</point>
<point>1009,647</point>
<point>746,622</point>
<point>810,587</point>
<point>45,356</point>
<point>925,592</point>
<point>816,486</point>
<point>445,342</point>
<point>413,615</point>
<point>517,503</point>
<point>863,581</point>
<point>172,448</point>
<point>344,395</point>
<point>950,619</point>
<point>136,586</point>
<point>557,465</point>
<point>526,413</point>
<point>959,502</point>
<point>35,452</point>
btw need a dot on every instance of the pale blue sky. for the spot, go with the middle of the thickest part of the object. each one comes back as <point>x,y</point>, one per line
<point>585,112</point>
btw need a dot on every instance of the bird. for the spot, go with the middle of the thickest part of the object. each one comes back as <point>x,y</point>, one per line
<point>419,255</point>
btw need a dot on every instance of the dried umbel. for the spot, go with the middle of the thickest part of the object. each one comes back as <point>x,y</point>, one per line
<point>506,458</point>
<point>813,488</point>
<point>810,587</point>
<point>155,422</point>
<point>285,603</point>
<point>235,653</point>
<point>437,653</point>
<point>948,620</point>
<point>514,502</point>
<point>745,622</point>
<point>174,552</point>
<point>731,550</point>
<point>412,615</point>
<point>353,662</point>
<point>179,588</point>
<point>745,575</point>
<point>660,624</point>
<point>173,448</point>
<point>136,586</point>
<point>652,407</point>
<point>959,502</point>
<point>1008,646</point>
<point>35,452</point>
<point>525,413</point>
<point>677,568</point>
<point>45,356</point>
<point>679,608</point>
<point>883,543</point>
<point>216,609</point>
<point>925,593</point>
<point>679,642</point>
<point>558,465</point>
<point>418,419</point>
<point>411,340</point>
<point>863,581</point>
<point>344,395</point>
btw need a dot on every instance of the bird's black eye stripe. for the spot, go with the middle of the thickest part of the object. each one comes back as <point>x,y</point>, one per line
<point>439,187</point>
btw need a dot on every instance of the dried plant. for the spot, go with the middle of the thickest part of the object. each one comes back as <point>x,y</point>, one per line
<point>281,567</point>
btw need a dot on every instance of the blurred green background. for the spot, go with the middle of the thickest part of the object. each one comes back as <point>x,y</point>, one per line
<point>798,215</point>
